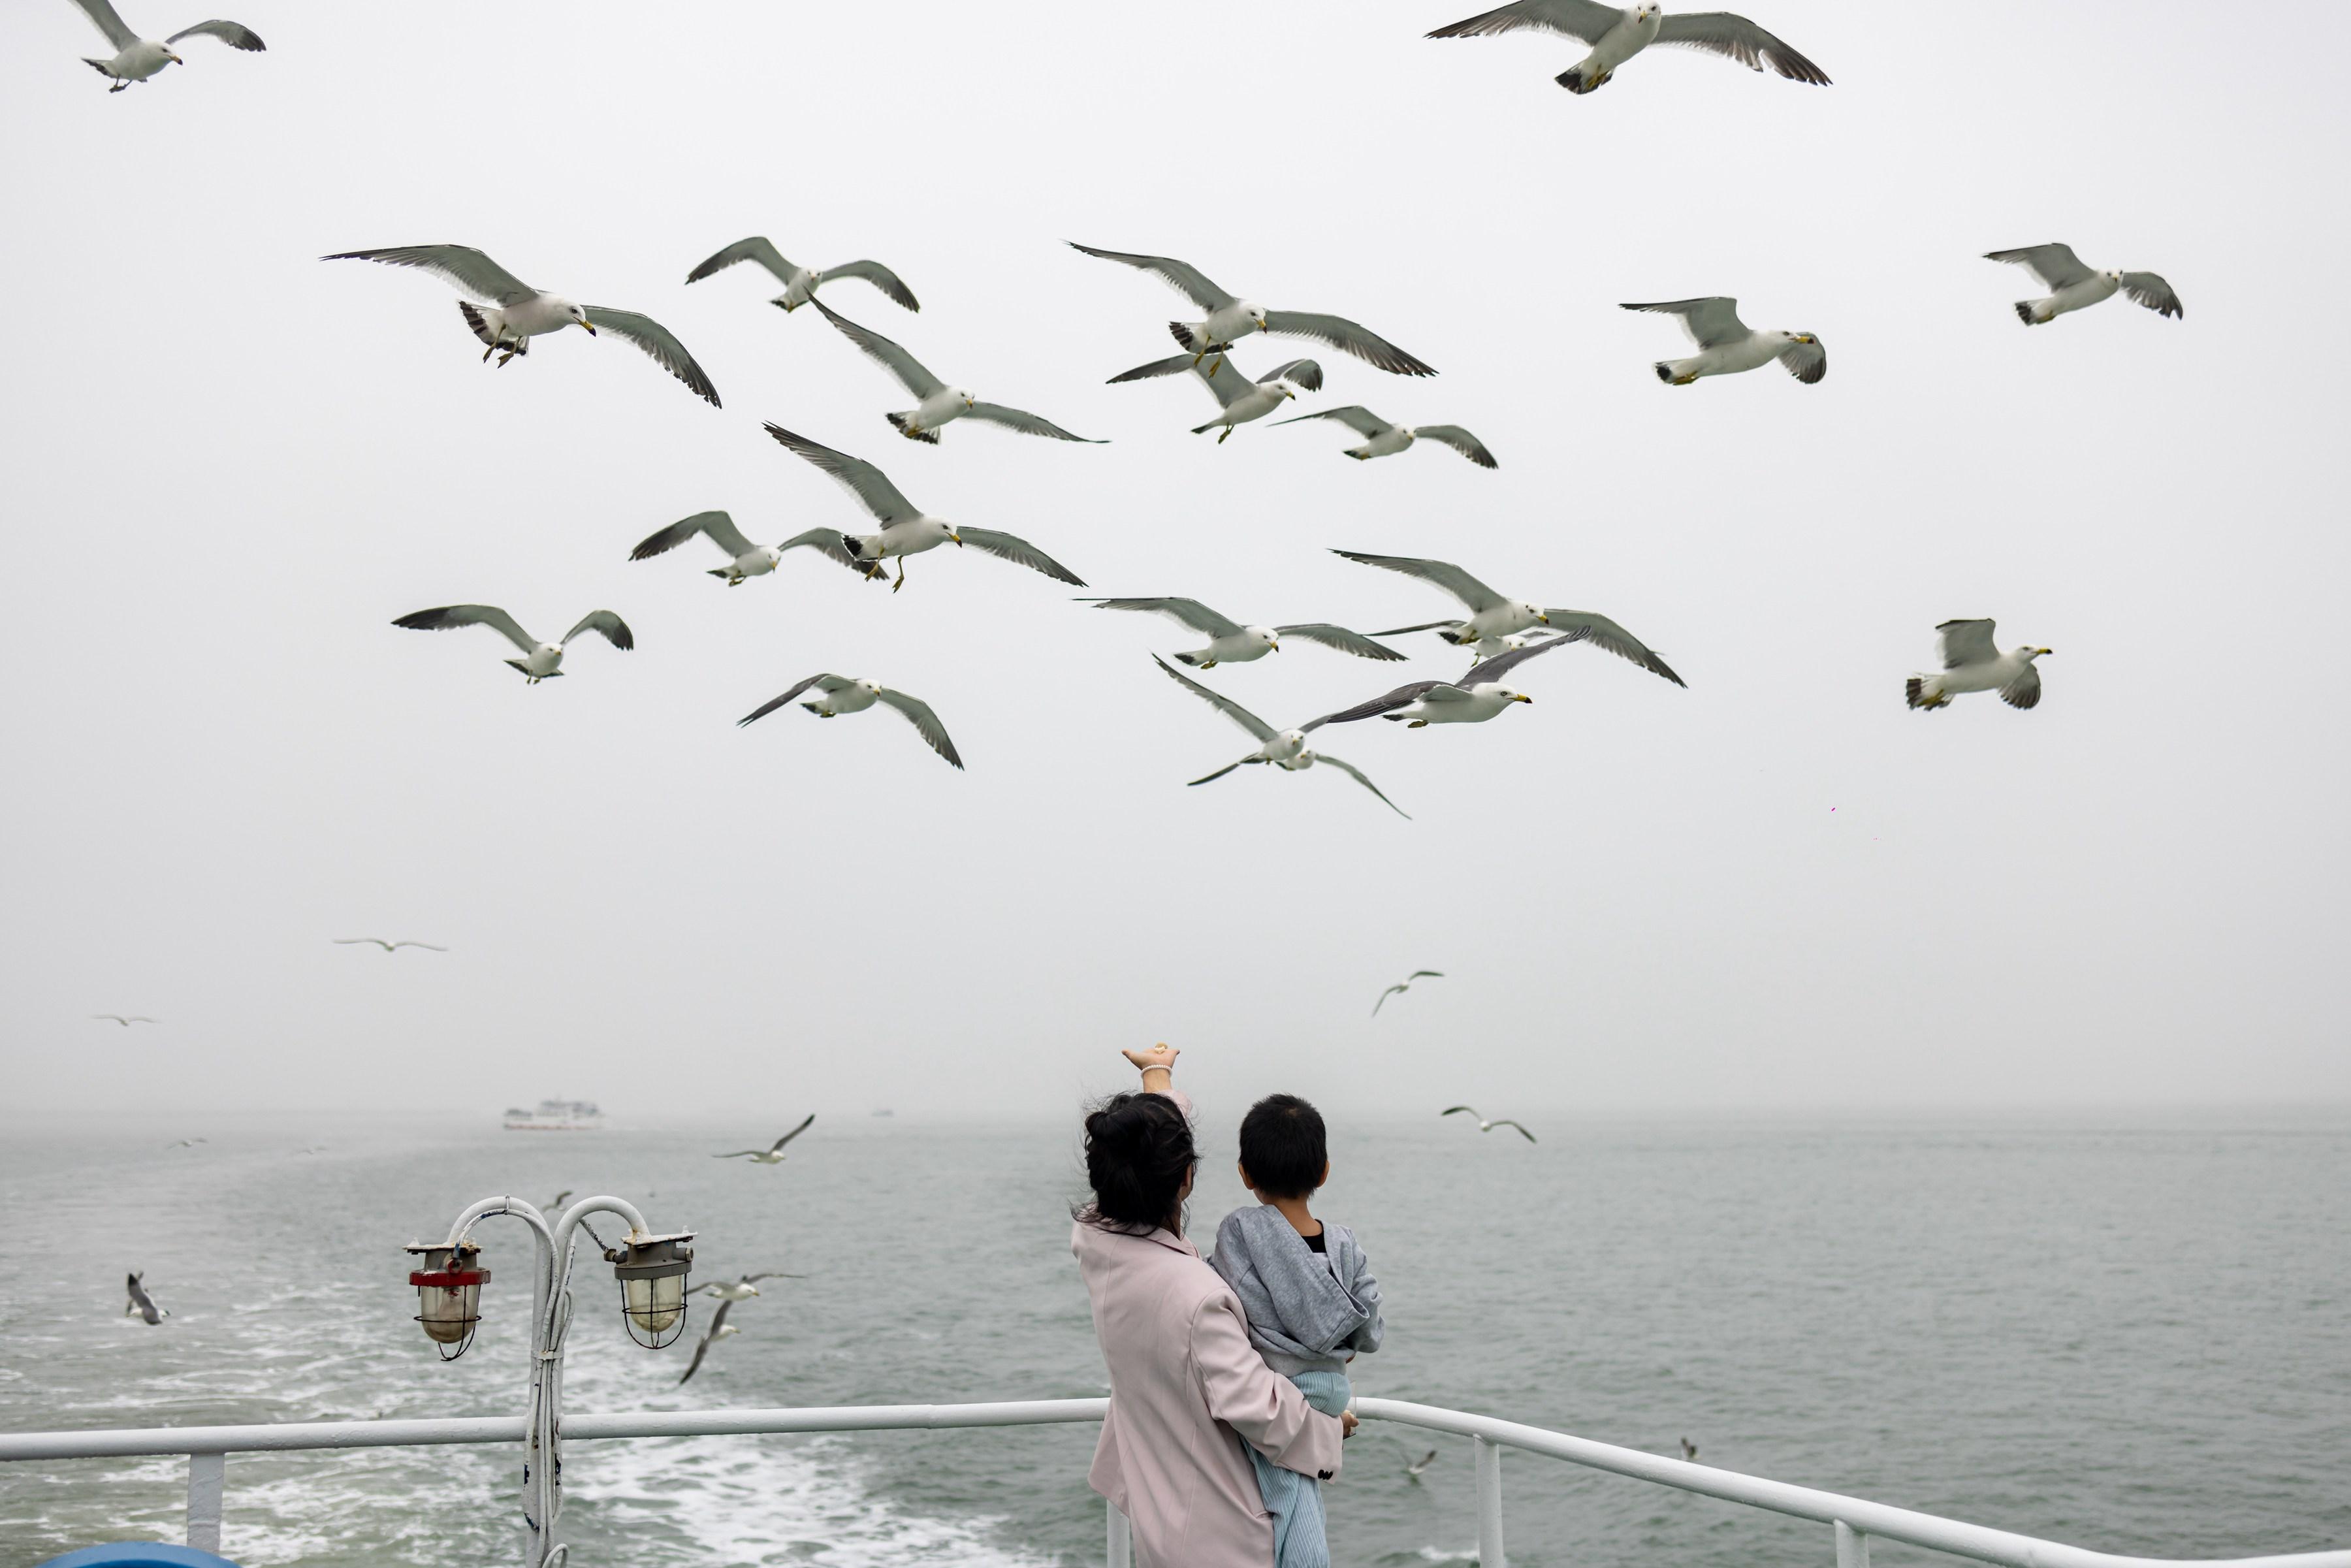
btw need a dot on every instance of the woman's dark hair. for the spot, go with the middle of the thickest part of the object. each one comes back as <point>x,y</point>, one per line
<point>1138,1152</point>
<point>1282,1147</point>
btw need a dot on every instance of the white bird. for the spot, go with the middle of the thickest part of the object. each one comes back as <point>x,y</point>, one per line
<point>1231,318</point>
<point>1230,642</point>
<point>1617,36</point>
<point>1419,704</point>
<point>1486,1126</point>
<point>1725,345</point>
<point>141,1302</point>
<point>136,58</point>
<point>1285,749</point>
<point>1417,1466</point>
<point>1406,984</point>
<point>516,312</point>
<point>1388,439</point>
<point>800,283</point>
<point>741,1289</point>
<point>719,1329</point>
<point>2074,286</point>
<point>387,947</point>
<point>1492,617</point>
<point>540,661</point>
<point>773,1155</point>
<point>1241,400</point>
<point>745,560</point>
<point>906,531</point>
<point>1972,663</point>
<point>125,1020</point>
<point>840,694</point>
<point>940,404</point>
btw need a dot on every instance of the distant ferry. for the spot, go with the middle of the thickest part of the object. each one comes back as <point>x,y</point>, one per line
<point>557,1116</point>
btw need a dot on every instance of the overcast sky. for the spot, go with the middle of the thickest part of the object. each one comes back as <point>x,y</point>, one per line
<point>229,467</point>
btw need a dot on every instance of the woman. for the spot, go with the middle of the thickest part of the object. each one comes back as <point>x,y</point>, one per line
<point>1186,1388</point>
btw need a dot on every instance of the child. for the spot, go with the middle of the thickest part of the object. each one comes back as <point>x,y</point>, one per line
<point>1308,1291</point>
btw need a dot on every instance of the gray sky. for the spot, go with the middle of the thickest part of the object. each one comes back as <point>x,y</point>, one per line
<point>229,467</point>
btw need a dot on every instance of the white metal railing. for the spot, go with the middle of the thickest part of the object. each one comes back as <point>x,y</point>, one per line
<point>1852,1519</point>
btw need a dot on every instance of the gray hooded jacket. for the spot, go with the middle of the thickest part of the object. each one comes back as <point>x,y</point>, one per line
<point>1302,1311</point>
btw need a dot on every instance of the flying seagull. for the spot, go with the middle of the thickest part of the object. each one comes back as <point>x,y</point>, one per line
<point>719,1329</point>
<point>940,404</point>
<point>556,1206</point>
<point>141,1302</point>
<point>1417,1466</point>
<point>1231,318</point>
<point>1241,400</point>
<point>800,283</point>
<point>1617,35</point>
<point>187,1143</point>
<point>1419,704</point>
<point>1406,984</point>
<point>1285,749</point>
<point>125,1021</point>
<point>1388,439</point>
<point>1486,1126</point>
<point>1972,663</point>
<point>387,947</point>
<point>516,312</point>
<point>744,560</point>
<point>1690,1449</point>
<point>740,1290</point>
<point>773,1155</point>
<point>1725,345</point>
<point>904,530</point>
<point>840,694</point>
<point>2073,287</point>
<point>540,661</point>
<point>1230,642</point>
<point>136,58</point>
<point>1493,616</point>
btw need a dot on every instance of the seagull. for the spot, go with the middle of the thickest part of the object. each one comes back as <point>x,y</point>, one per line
<point>1617,35</point>
<point>1388,439</point>
<point>1972,663</point>
<point>1725,345</point>
<point>126,1021</point>
<point>2074,286</point>
<point>516,312</point>
<point>940,402</point>
<point>1231,318</point>
<point>741,1289</point>
<point>186,1144</point>
<point>556,1205</point>
<point>136,58</point>
<point>1486,1126</point>
<point>541,661</point>
<point>1491,616</point>
<point>1406,984</point>
<point>840,694</point>
<point>1414,1468</point>
<point>1242,399</point>
<point>773,1155</point>
<point>141,1302</point>
<point>1419,704</point>
<point>745,560</point>
<point>1230,642</point>
<point>904,530</point>
<point>719,1329</point>
<point>1690,1449</point>
<point>1285,749</point>
<point>387,947</point>
<point>801,283</point>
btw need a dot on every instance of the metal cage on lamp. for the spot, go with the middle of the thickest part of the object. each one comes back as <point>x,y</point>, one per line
<point>448,1294</point>
<point>652,1272</point>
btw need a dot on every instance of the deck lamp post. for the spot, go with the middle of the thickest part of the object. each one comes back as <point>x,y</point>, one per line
<point>449,1276</point>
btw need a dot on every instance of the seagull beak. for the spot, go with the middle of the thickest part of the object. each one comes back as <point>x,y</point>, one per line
<point>1277,648</point>
<point>958,539</point>
<point>587,326</point>
<point>2044,650</point>
<point>1544,619</point>
<point>1524,698</point>
<point>177,60</point>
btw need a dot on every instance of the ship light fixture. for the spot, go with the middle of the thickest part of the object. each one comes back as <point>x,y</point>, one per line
<point>652,1272</point>
<point>448,1280</point>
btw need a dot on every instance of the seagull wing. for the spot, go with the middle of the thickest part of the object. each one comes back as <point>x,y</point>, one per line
<point>827,541</point>
<point>1605,633</point>
<point>1190,612</point>
<point>1573,18</point>
<point>1736,37</point>
<point>889,355</point>
<point>1387,701</point>
<point>756,249</point>
<point>2149,289</point>
<point>1423,626</point>
<point>1305,372</point>
<point>1425,974</point>
<point>1459,439</point>
<point>1229,387</point>
<point>1354,416</point>
<point>1443,573</point>
<point>1392,990</point>
<point>1024,422</point>
<point>606,625</point>
<point>658,342</point>
<point>1710,323</point>
<point>1808,362</point>
<point>717,525</point>
<point>1020,552</point>
<point>879,275</point>
<point>1258,728</point>
<point>1521,1131</point>
<point>863,480</point>
<point>1219,773</point>
<point>806,1122</point>
<point>765,708</point>
<point>490,615</point>
<point>2055,265</point>
<point>1352,771</point>
<point>1456,1110</point>
<point>1350,337</point>
<point>918,713</point>
<point>361,942</point>
<point>2024,691</point>
<point>1174,364</point>
<point>460,264</point>
<point>701,1349</point>
<point>1340,638</point>
<point>1493,669</point>
<point>1182,276</point>
<point>428,946</point>
<point>236,35</point>
<point>1968,643</point>
<point>102,16</point>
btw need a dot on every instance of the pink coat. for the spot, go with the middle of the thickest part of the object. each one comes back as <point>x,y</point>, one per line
<point>1185,1389</point>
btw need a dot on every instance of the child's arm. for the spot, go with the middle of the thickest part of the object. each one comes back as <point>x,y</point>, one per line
<point>1157,1064</point>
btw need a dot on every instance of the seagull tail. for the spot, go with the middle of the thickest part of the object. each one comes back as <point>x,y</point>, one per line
<point>98,66</point>
<point>1915,688</point>
<point>856,546</point>
<point>473,316</point>
<point>1189,661</point>
<point>899,421</point>
<point>1576,81</point>
<point>2025,313</point>
<point>1182,333</point>
<point>1665,371</point>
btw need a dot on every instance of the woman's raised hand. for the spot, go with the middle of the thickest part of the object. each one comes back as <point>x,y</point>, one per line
<point>1161,1056</point>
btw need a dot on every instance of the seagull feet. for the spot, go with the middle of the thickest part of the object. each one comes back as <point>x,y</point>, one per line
<point>902,575</point>
<point>118,87</point>
<point>1685,381</point>
<point>1418,724</point>
<point>1222,434</point>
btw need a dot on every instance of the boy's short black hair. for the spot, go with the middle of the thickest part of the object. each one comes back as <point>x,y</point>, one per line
<point>1282,1147</point>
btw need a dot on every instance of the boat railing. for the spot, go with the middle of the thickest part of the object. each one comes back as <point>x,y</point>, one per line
<point>1853,1520</point>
